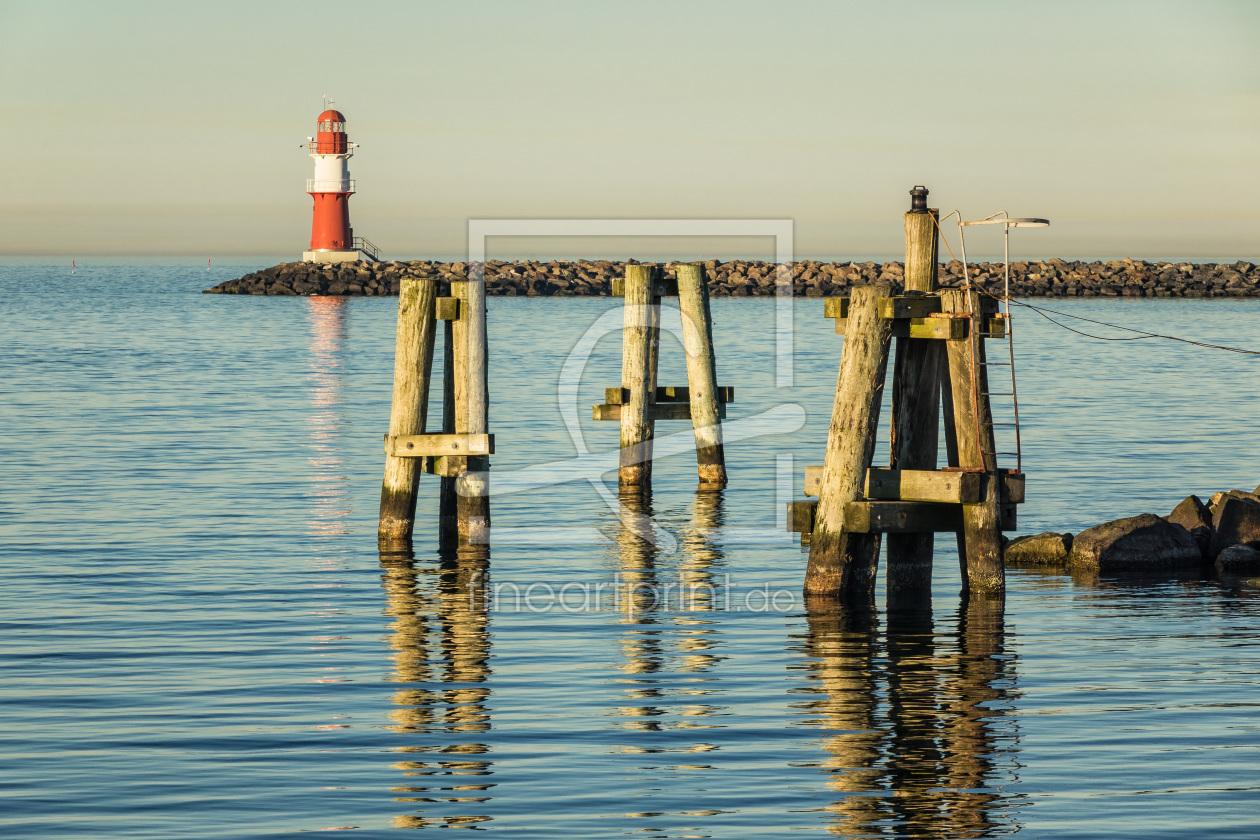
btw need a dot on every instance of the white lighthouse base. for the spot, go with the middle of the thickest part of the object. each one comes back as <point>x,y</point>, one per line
<point>337,256</point>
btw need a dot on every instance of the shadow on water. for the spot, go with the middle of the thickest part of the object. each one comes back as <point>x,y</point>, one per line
<point>441,650</point>
<point>918,739</point>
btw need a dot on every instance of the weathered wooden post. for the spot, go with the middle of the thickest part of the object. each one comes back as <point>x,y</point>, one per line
<point>842,562</point>
<point>917,373</point>
<point>640,345</point>
<point>460,452</point>
<point>413,359</point>
<point>973,424</point>
<point>472,406</point>
<point>640,402</point>
<point>448,517</point>
<point>697,324</point>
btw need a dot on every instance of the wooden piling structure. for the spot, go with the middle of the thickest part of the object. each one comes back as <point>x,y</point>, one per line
<point>697,324</point>
<point>640,402</point>
<point>940,363</point>
<point>413,359</point>
<point>472,409</point>
<point>973,423</point>
<point>640,345</point>
<point>841,561</point>
<point>448,524</point>
<point>917,372</point>
<point>460,452</point>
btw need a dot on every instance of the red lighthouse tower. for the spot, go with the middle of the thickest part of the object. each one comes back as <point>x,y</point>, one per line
<point>332,238</point>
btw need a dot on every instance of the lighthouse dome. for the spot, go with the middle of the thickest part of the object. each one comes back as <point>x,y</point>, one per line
<point>332,133</point>
<point>332,122</point>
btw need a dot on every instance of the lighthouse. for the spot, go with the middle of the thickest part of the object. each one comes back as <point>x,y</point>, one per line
<point>332,238</point>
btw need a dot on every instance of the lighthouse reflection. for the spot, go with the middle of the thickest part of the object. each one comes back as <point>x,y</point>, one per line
<point>919,744</point>
<point>440,643</point>
<point>331,489</point>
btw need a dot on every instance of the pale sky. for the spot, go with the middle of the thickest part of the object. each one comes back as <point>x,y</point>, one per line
<point>174,128</point>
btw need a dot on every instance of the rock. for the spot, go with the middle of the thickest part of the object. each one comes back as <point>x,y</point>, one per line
<point>1243,494</point>
<point>1145,542</point>
<point>1048,549</point>
<point>1239,558</point>
<point>1236,521</point>
<point>1191,513</point>
<point>1203,539</point>
<point>742,278</point>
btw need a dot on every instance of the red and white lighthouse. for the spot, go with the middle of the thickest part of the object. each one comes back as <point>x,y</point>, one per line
<point>332,238</point>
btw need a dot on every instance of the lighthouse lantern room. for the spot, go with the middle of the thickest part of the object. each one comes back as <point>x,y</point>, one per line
<point>332,238</point>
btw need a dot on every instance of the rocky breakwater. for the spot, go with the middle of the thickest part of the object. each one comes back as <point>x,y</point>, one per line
<point>1221,534</point>
<point>752,278</point>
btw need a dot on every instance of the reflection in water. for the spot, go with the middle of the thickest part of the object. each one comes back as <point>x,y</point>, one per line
<point>920,744</point>
<point>699,588</point>
<point>331,491</point>
<point>641,647</point>
<point>666,647</point>
<point>441,652</point>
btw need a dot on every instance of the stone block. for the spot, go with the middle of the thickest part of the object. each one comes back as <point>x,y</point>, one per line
<point>1048,549</point>
<point>1239,559</point>
<point>1138,543</point>
<point>1236,521</point>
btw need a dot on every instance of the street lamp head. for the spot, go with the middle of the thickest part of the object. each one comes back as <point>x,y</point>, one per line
<point>1010,223</point>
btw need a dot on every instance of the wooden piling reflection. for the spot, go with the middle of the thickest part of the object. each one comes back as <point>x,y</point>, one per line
<point>702,584</point>
<point>638,595</point>
<point>910,719</point>
<point>702,557</point>
<point>842,646</point>
<point>440,646</point>
<point>666,626</point>
<point>971,733</point>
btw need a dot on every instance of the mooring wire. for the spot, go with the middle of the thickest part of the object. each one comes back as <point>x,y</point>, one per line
<point>1141,333</point>
<point>1045,313</point>
<point>1042,312</point>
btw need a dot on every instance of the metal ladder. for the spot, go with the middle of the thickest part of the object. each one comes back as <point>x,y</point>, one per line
<point>1009,364</point>
<point>1012,394</point>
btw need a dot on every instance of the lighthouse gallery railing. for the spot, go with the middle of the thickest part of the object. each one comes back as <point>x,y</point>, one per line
<point>338,186</point>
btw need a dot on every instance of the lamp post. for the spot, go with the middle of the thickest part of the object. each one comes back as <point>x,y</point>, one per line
<point>1007,222</point>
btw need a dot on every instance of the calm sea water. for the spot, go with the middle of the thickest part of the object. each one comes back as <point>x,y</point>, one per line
<point>201,639</point>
